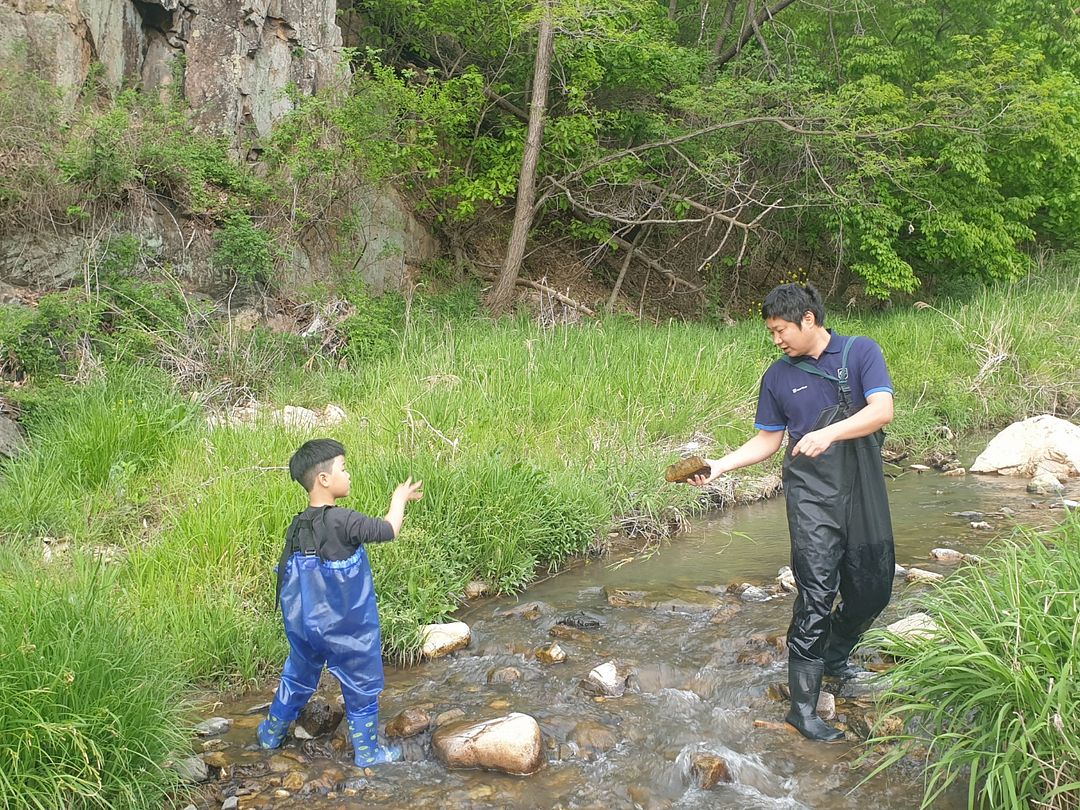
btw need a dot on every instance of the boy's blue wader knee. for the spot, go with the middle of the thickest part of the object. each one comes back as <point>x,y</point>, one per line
<point>330,619</point>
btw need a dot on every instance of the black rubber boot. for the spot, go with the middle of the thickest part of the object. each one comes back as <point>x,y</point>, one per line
<point>804,680</point>
<point>837,654</point>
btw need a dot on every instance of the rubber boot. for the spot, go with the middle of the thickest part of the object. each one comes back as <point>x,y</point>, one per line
<point>836,659</point>
<point>271,731</point>
<point>364,731</point>
<point>804,680</point>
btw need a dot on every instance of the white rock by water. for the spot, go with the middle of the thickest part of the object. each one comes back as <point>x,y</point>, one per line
<point>510,744</point>
<point>215,725</point>
<point>919,575</point>
<point>917,625</point>
<point>946,554</point>
<point>608,679</point>
<point>786,578</point>
<point>1039,443</point>
<point>1045,483</point>
<point>440,639</point>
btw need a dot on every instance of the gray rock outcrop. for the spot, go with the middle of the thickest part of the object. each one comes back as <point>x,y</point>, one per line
<point>231,61</point>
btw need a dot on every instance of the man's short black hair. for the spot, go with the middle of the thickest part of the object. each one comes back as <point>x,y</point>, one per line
<point>314,457</point>
<point>789,302</point>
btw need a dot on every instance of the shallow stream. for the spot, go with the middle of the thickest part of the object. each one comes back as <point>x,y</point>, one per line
<point>704,667</point>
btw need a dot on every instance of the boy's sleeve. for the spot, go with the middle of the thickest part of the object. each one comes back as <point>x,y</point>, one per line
<point>361,528</point>
<point>875,376</point>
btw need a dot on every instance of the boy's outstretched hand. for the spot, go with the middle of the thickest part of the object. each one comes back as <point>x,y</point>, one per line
<point>403,493</point>
<point>410,490</point>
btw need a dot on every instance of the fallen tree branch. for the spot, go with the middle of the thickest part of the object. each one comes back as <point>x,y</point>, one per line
<point>558,296</point>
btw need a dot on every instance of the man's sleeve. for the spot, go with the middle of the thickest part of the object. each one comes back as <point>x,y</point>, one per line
<point>360,528</point>
<point>769,414</point>
<point>875,376</point>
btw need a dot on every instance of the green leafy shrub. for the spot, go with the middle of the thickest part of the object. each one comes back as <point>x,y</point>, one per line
<point>375,330</point>
<point>243,249</point>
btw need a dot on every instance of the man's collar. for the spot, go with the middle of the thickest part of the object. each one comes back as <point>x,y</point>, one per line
<point>833,345</point>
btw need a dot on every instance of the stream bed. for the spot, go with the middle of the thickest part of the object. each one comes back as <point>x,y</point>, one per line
<point>705,666</point>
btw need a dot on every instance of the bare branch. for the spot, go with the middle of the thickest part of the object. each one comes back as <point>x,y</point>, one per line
<point>752,24</point>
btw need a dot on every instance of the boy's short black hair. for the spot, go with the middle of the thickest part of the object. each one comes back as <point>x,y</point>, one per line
<point>789,302</point>
<point>314,457</point>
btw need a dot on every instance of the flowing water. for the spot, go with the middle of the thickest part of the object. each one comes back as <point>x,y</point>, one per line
<point>704,666</point>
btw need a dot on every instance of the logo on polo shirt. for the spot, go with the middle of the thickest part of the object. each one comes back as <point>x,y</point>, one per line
<point>797,390</point>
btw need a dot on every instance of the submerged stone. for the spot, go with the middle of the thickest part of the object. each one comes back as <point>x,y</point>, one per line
<point>710,770</point>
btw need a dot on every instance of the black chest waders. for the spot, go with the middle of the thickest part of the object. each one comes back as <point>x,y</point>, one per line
<point>841,543</point>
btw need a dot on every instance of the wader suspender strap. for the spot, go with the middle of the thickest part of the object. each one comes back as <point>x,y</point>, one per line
<point>841,378</point>
<point>300,537</point>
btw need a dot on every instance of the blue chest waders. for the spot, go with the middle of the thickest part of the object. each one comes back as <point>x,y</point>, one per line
<point>331,619</point>
<point>841,543</point>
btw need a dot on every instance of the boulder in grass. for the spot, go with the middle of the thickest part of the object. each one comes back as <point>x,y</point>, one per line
<point>292,416</point>
<point>510,744</point>
<point>11,439</point>
<point>442,639</point>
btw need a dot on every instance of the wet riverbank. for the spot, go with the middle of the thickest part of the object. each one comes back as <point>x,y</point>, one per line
<point>704,669</point>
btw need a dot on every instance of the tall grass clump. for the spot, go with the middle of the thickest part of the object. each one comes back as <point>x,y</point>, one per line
<point>89,706</point>
<point>995,693</point>
<point>93,457</point>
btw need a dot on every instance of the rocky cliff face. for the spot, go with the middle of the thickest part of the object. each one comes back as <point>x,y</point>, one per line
<point>234,62</point>
<point>231,61</point>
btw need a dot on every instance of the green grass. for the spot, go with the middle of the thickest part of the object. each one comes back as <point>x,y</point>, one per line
<point>994,695</point>
<point>90,707</point>
<point>531,442</point>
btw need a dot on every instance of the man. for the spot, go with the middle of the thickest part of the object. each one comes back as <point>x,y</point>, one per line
<point>832,394</point>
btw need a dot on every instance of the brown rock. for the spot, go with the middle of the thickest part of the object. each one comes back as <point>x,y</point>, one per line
<point>409,723</point>
<point>551,654</point>
<point>449,716</point>
<point>216,759</point>
<point>593,738</point>
<point>320,717</point>
<point>504,675</point>
<point>510,744</point>
<point>710,770</point>
<point>294,781</point>
<point>569,633</point>
<point>617,597</point>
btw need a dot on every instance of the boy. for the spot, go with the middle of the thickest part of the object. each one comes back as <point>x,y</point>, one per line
<point>327,600</point>
<point>832,394</point>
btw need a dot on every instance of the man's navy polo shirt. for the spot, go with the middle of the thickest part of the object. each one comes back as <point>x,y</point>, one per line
<point>792,399</point>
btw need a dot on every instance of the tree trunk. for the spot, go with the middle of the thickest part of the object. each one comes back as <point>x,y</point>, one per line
<point>502,294</point>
